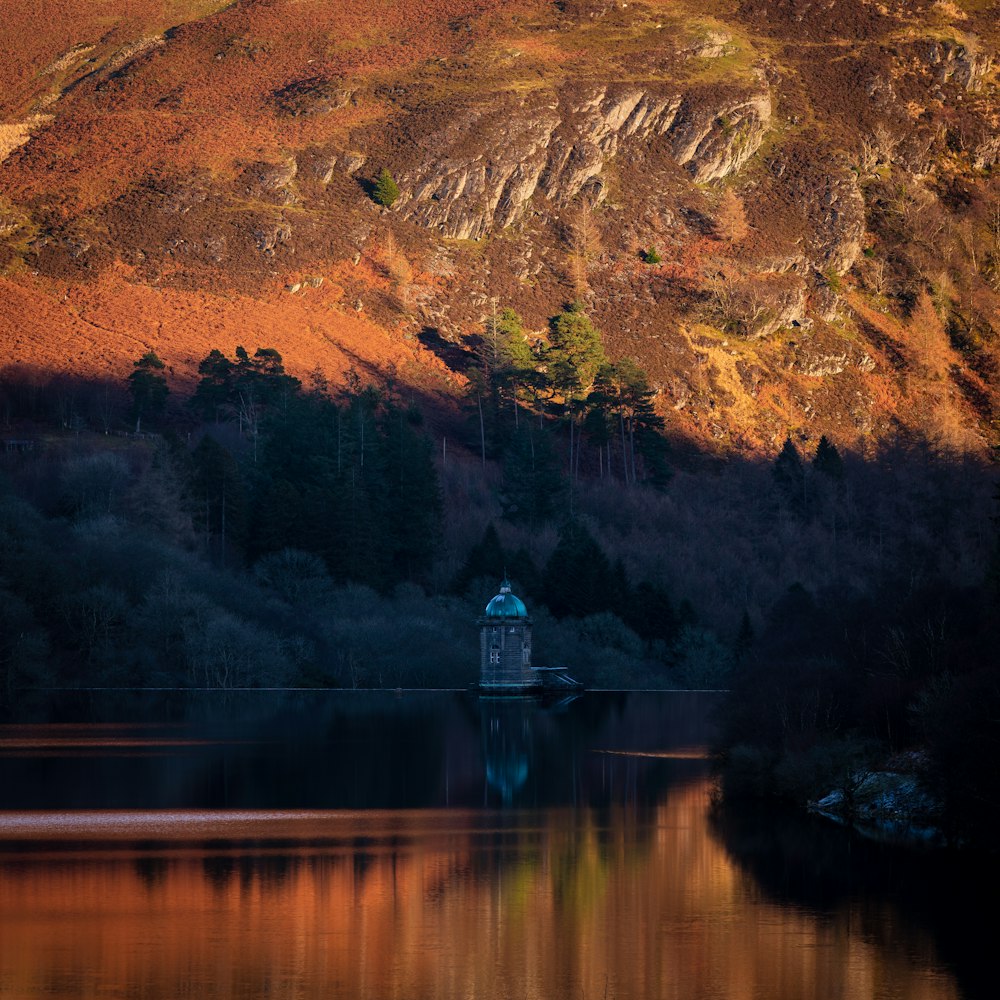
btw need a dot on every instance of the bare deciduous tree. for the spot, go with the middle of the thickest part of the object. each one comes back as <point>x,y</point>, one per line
<point>584,242</point>
<point>993,223</point>
<point>876,149</point>
<point>876,278</point>
<point>740,305</point>
<point>731,219</point>
<point>397,267</point>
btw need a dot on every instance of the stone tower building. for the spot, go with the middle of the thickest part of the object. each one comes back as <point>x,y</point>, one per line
<point>505,643</point>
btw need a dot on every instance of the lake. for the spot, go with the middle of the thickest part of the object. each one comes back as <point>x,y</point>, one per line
<point>416,845</point>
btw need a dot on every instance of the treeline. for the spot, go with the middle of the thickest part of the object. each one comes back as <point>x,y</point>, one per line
<point>893,674</point>
<point>276,533</point>
<point>265,534</point>
<point>603,410</point>
<point>905,680</point>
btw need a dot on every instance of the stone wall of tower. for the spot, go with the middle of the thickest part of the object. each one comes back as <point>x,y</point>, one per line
<point>505,652</point>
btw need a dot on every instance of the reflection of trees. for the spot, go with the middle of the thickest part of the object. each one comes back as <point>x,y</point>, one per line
<point>535,904</point>
<point>279,750</point>
<point>897,897</point>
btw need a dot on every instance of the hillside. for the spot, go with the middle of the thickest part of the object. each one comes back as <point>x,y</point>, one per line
<point>819,184</point>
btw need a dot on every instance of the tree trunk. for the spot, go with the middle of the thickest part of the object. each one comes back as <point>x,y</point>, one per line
<point>631,445</point>
<point>621,420</point>
<point>482,427</point>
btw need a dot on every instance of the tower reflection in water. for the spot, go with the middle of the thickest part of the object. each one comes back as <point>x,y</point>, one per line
<point>507,728</point>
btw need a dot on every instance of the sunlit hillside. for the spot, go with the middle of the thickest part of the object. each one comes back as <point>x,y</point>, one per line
<point>788,215</point>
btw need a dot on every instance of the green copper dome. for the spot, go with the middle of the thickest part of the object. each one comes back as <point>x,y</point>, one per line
<point>506,605</point>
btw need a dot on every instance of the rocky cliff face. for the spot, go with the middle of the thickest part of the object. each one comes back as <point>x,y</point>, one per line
<point>482,172</point>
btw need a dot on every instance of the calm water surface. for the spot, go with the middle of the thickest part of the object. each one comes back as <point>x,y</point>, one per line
<point>432,845</point>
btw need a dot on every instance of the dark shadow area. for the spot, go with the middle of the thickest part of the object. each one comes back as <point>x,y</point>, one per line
<point>893,896</point>
<point>457,357</point>
<point>264,533</point>
<point>379,750</point>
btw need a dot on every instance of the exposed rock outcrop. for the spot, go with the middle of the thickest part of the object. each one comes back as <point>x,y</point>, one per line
<point>180,195</point>
<point>314,95</point>
<point>838,216</point>
<point>821,360</point>
<point>814,191</point>
<point>711,45</point>
<point>961,62</point>
<point>268,235</point>
<point>270,180</point>
<point>352,161</point>
<point>479,173</point>
<point>318,163</point>
<point>128,54</point>
<point>987,153</point>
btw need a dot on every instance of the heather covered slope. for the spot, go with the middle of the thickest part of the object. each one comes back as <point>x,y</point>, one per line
<point>818,184</point>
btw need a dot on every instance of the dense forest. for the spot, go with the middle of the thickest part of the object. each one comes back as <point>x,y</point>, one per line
<point>265,533</point>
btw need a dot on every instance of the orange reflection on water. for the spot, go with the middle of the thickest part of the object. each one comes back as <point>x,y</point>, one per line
<point>539,905</point>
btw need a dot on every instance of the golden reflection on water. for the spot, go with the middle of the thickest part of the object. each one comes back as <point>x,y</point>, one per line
<point>431,904</point>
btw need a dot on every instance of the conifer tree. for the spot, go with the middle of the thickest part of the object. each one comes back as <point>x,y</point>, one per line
<point>503,363</point>
<point>827,459</point>
<point>576,351</point>
<point>730,219</point>
<point>621,390</point>
<point>485,559</point>
<point>578,578</point>
<point>215,389</point>
<point>148,387</point>
<point>220,500</point>
<point>789,474</point>
<point>523,573</point>
<point>504,357</point>
<point>386,190</point>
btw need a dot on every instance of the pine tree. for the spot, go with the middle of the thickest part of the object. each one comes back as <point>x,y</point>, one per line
<point>215,388</point>
<point>243,387</point>
<point>220,501</point>
<point>789,474</point>
<point>148,387</point>
<point>622,391</point>
<point>827,459</point>
<point>485,558</point>
<point>504,356</point>
<point>578,578</point>
<point>576,351</point>
<point>386,190</point>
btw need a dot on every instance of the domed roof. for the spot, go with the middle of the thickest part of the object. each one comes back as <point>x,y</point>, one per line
<point>506,605</point>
